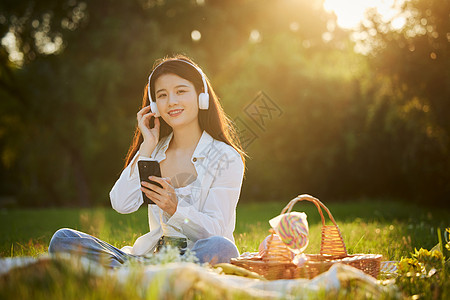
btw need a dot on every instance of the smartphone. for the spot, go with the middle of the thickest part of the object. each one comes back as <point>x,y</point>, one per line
<point>147,169</point>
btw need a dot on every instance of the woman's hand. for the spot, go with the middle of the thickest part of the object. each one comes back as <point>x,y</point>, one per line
<point>150,135</point>
<point>164,197</point>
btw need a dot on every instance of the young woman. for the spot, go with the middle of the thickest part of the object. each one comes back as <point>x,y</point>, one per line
<point>183,127</point>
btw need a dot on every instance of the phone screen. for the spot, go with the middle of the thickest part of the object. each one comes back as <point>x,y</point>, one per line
<point>147,169</point>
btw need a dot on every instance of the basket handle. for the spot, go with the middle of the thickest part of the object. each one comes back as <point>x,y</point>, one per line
<point>317,203</point>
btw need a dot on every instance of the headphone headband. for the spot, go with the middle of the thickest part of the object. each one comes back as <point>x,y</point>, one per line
<point>205,86</point>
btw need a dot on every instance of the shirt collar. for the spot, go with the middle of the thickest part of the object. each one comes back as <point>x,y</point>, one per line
<point>203,145</point>
<point>166,142</point>
<point>200,151</point>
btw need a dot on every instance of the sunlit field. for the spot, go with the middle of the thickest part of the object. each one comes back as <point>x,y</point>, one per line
<point>343,99</point>
<point>392,229</point>
<point>389,228</point>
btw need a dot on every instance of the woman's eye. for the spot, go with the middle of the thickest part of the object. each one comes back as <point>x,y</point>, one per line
<point>160,95</point>
<point>181,91</point>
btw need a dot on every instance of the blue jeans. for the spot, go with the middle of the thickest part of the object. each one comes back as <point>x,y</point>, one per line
<point>215,249</point>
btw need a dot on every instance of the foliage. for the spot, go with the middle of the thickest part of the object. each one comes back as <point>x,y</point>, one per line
<point>425,274</point>
<point>167,254</point>
<point>351,125</point>
<point>411,66</point>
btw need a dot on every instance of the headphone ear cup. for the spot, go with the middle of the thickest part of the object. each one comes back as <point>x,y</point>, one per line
<point>203,101</point>
<point>154,108</point>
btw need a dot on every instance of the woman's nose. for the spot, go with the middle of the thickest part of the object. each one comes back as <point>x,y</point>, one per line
<point>172,99</point>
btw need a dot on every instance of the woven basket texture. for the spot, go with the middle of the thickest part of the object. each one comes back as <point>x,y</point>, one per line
<point>276,262</point>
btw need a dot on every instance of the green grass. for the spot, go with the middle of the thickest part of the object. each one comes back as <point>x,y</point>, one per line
<point>389,228</point>
<point>392,229</point>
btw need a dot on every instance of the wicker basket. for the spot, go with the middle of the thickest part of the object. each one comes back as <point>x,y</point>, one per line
<point>276,263</point>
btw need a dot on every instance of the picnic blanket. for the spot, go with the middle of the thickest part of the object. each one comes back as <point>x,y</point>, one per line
<point>177,279</point>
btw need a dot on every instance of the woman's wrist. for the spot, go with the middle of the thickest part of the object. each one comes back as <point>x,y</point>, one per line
<point>146,149</point>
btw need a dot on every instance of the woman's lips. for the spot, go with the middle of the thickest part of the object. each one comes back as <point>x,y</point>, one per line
<point>175,112</point>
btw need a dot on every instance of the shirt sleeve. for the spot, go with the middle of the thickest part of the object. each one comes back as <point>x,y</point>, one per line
<point>126,196</point>
<point>218,215</point>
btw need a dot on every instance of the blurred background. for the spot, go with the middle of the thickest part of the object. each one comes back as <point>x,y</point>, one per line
<point>339,99</point>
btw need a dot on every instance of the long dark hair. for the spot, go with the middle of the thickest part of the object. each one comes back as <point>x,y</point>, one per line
<point>213,120</point>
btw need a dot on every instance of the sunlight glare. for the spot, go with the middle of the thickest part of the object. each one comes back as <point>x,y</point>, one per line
<point>255,36</point>
<point>9,41</point>
<point>196,35</point>
<point>351,12</point>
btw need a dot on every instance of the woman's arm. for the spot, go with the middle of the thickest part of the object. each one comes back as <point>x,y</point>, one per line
<point>218,215</point>
<point>126,196</point>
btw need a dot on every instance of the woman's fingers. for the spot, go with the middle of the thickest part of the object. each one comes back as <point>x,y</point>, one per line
<point>146,117</point>
<point>153,187</point>
<point>164,197</point>
<point>162,200</point>
<point>157,124</point>
<point>155,197</point>
<point>142,111</point>
<point>161,181</point>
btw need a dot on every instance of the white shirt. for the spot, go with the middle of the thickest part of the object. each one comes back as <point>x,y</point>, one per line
<point>206,207</point>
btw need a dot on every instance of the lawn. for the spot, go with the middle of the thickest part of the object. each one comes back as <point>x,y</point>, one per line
<point>390,228</point>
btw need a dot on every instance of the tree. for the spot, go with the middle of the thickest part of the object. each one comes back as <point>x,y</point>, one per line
<point>412,67</point>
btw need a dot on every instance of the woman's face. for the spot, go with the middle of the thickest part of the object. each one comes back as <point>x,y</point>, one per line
<point>176,99</point>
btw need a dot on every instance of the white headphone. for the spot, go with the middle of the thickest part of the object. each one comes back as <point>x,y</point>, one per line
<point>203,98</point>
